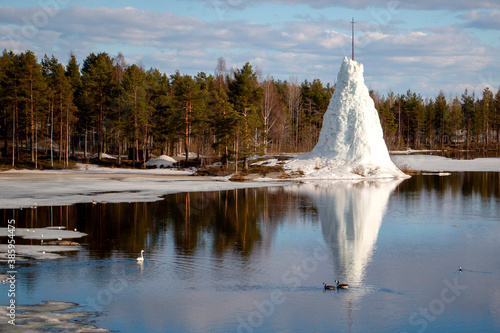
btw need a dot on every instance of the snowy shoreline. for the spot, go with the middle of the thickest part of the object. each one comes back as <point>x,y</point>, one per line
<point>433,163</point>
<point>28,188</point>
<point>35,188</point>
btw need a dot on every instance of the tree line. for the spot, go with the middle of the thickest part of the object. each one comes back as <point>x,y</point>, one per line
<point>411,121</point>
<point>105,105</point>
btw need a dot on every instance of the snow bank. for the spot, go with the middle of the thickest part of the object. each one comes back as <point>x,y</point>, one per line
<point>104,155</point>
<point>50,189</point>
<point>162,161</point>
<point>191,155</point>
<point>81,168</point>
<point>351,143</point>
<point>270,162</point>
<point>432,163</point>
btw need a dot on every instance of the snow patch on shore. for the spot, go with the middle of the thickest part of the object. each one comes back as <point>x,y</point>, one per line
<point>432,163</point>
<point>82,168</point>
<point>162,161</point>
<point>57,189</point>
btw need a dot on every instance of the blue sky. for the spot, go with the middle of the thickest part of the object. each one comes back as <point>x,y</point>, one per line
<point>422,45</point>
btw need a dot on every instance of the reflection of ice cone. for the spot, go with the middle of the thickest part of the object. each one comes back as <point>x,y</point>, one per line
<point>351,215</point>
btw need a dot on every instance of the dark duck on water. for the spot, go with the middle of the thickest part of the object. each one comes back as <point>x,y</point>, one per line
<point>328,287</point>
<point>341,285</point>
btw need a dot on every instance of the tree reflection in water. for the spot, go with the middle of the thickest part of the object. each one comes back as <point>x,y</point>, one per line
<point>236,220</point>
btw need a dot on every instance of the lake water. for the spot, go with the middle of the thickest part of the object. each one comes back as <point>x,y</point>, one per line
<point>255,260</point>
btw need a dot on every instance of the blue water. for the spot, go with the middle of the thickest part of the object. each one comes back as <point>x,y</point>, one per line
<point>255,260</point>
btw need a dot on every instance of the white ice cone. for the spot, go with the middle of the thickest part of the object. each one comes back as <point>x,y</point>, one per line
<point>351,143</point>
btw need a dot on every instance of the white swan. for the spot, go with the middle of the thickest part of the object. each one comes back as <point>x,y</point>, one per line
<point>141,258</point>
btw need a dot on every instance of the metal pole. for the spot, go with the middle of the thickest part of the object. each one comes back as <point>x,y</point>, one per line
<point>353,38</point>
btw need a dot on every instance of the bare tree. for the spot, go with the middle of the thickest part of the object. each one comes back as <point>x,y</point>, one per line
<point>270,104</point>
<point>294,104</point>
<point>221,73</point>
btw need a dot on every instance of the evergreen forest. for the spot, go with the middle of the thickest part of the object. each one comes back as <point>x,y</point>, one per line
<point>104,106</point>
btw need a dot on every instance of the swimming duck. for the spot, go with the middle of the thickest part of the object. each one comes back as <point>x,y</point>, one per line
<point>341,285</point>
<point>328,287</point>
<point>460,269</point>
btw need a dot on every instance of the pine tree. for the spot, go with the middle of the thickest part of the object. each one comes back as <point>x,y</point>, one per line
<point>75,80</point>
<point>134,88</point>
<point>61,104</point>
<point>6,111</point>
<point>32,86</point>
<point>468,113</point>
<point>245,95</point>
<point>387,117</point>
<point>315,100</point>
<point>117,109</point>
<point>456,120</point>
<point>166,121</point>
<point>495,120</point>
<point>189,100</point>
<point>201,117</point>
<point>73,73</point>
<point>442,120</point>
<point>487,107</point>
<point>411,106</point>
<point>97,84</point>
<point>224,121</point>
<point>11,99</point>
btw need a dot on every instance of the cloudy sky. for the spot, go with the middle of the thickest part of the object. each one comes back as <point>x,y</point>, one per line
<point>422,45</point>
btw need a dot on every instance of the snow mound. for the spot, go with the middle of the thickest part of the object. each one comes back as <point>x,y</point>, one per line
<point>162,161</point>
<point>190,155</point>
<point>104,155</point>
<point>351,143</point>
<point>270,162</point>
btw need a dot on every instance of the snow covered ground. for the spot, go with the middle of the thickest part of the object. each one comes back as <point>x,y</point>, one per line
<point>433,163</point>
<point>65,187</point>
<point>96,169</point>
<point>27,188</point>
<point>104,155</point>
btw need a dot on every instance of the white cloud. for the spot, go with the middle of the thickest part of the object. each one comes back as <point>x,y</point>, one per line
<point>482,19</point>
<point>424,60</point>
<point>452,5</point>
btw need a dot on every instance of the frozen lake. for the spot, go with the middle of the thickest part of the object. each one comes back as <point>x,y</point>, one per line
<point>254,260</point>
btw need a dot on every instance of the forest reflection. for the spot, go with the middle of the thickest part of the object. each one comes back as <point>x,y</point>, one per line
<point>484,184</point>
<point>235,220</point>
<point>232,220</point>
